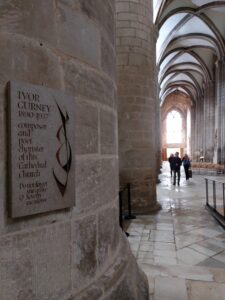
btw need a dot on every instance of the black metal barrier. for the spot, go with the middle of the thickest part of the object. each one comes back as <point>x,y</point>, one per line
<point>215,198</point>
<point>122,215</point>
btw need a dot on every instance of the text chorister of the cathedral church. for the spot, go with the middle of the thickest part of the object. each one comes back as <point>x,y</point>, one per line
<point>41,149</point>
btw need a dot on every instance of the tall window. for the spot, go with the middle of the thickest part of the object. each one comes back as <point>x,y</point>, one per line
<point>174,127</point>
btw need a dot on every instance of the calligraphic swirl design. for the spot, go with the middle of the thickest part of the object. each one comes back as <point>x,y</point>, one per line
<point>65,164</point>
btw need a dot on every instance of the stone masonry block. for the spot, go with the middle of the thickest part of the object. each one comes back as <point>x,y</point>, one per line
<point>122,6</point>
<point>100,11</point>
<point>3,154</point>
<point>109,180</point>
<point>89,84</point>
<point>23,18</point>
<point>108,132</point>
<point>84,247</point>
<point>93,292</point>
<point>140,158</point>
<point>142,34</point>
<point>88,179</point>
<point>137,59</point>
<point>108,57</point>
<point>122,291</point>
<point>134,140</point>
<point>139,26</point>
<point>35,64</point>
<point>122,59</point>
<point>131,41</point>
<point>36,264</point>
<point>107,235</point>
<point>121,16</point>
<point>86,128</point>
<point>123,24</point>
<point>125,32</point>
<point>51,255</point>
<point>77,36</point>
<point>115,272</point>
<point>97,183</point>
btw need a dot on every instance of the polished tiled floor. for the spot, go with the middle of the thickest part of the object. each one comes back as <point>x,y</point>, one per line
<point>181,248</point>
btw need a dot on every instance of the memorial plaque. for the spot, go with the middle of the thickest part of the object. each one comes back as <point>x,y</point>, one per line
<point>41,149</point>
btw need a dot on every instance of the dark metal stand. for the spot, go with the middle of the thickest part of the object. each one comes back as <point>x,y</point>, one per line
<point>129,216</point>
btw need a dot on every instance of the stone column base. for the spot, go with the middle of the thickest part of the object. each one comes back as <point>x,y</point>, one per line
<point>143,191</point>
<point>123,279</point>
<point>147,210</point>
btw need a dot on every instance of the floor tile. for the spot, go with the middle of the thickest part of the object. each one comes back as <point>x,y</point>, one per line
<point>203,250</point>
<point>184,240</point>
<point>145,254</point>
<point>160,260</point>
<point>165,253</point>
<point>209,244</point>
<point>145,260</point>
<point>165,289</point>
<point>164,246</point>
<point>207,232</point>
<point>212,263</point>
<point>181,246</point>
<point>207,291</point>
<point>190,256</point>
<point>220,257</point>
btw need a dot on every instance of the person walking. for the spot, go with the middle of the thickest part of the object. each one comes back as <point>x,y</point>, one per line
<point>170,159</point>
<point>186,164</point>
<point>176,163</point>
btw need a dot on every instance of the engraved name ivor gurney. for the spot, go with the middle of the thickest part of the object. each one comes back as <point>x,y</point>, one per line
<point>63,154</point>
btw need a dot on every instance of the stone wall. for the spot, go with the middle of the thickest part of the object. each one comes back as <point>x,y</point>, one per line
<point>137,102</point>
<point>77,253</point>
<point>197,131</point>
<point>209,122</point>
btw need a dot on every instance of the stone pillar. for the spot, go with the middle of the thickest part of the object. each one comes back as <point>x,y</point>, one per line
<point>81,252</point>
<point>209,122</point>
<point>137,101</point>
<point>217,113</point>
<point>157,118</point>
<point>199,129</point>
<point>221,112</point>
<point>193,133</point>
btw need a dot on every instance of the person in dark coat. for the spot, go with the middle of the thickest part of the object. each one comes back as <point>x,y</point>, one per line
<point>170,159</point>
<point>186,165</point>
<point>176,164</point>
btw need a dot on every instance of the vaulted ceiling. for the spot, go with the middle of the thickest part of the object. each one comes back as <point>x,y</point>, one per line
<point>191,40</point>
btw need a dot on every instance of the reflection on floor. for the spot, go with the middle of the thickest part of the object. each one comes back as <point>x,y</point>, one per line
<point>182,248</point>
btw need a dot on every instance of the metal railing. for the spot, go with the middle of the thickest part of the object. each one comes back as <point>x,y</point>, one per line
<point>122,214</point>
<point>215,197</point>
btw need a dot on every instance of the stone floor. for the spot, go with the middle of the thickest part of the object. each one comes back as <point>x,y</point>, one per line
<point>182,248</point>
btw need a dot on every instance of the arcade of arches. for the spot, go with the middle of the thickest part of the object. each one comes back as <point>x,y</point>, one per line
<point>129,66</point>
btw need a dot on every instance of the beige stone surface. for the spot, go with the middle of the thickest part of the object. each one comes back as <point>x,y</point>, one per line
<point>170,289</point>
<point>208,291</point>
<point>85,43</point>
<point>84,258</point>
<point>78,253</point>
<point>136,74</point>
<point>86,133</point>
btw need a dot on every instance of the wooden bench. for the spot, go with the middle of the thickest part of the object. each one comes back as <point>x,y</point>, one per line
<point>204,168</point>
